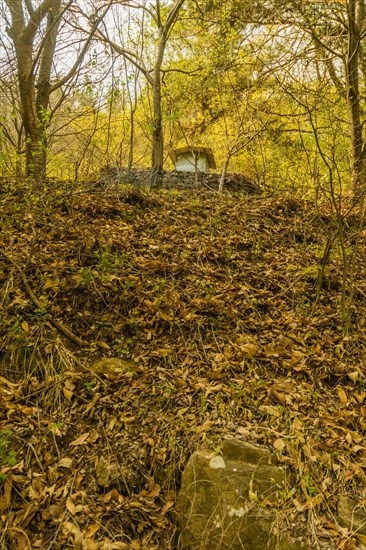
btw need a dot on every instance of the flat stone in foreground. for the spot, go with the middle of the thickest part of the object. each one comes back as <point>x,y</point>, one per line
<point>228,501</point>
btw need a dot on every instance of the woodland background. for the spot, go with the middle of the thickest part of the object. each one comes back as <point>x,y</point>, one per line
<point>276,88</point>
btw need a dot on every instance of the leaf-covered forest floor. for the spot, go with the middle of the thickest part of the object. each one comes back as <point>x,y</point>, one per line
<point>214,305</point>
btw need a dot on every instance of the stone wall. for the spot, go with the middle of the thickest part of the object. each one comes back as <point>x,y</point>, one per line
<point>181,180</point>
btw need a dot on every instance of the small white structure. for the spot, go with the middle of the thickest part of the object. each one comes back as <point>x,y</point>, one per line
<point>192,159</point>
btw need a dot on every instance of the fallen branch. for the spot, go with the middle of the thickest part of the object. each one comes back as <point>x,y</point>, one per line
<point>59,326</point>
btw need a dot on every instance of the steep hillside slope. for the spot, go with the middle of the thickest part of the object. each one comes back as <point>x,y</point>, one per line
<point>221,319</point>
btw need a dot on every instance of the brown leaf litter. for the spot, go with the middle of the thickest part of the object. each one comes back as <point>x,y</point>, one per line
<point>198,317</point>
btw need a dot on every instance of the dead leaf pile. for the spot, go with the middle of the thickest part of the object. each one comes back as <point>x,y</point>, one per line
<point>200,322</point>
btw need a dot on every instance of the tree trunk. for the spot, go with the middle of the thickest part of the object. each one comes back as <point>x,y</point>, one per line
<point>35,157</point>
<point>355,22</point>
<point>223,173</point>
<point>35,154</point>
<point>34,91</point>
<point>131,140</point>
<point>157,161</point>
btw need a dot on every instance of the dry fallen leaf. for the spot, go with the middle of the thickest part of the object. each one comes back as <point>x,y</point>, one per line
<point>65,462</point>
<point>70,528</point>
<point>102,471</point>
<point>70,506</point>
<point>243,431</point>
<point>19,539</point>
<point>102,344</point>
<point>205,426</point>
<point>55,511</point>
<point>69,385</point>
<point>90,544</point>
<point>67,393</point>
<point>154,491</point>
<point>167,507</point>
<point>80,440</point>
<point>5,497</point>
<point>250,350</point>
<point>279,444</point>
<point>354,376</point>
<point>342,395</point>
<point>91,530</point>
<point>270,409</point>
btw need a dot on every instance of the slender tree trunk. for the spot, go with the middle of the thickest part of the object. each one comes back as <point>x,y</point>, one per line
<point>44,86</point>
<point>157,174</point>
<point>19,165</point>
<point>34,150</point>
<point>223,173</point>
<point>196,171</point>
<point>355,21</point>
<point>131,140</point>
<point>133,106</point>
<point>35,154</point>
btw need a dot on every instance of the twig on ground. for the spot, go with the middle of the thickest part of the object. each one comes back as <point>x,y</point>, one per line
<point>57,324</point>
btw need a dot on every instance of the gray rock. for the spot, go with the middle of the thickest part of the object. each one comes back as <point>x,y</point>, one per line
<point>112,366</point>
<point>228,501</point>
<point>352,514</point>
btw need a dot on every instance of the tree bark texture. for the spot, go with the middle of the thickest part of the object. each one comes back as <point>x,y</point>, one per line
<point>157,173</point>
<point>157,160</point>
<point>34,73</point>
<point>355,13</point>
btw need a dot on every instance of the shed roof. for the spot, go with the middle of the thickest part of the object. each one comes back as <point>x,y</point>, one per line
<point>205,150</point>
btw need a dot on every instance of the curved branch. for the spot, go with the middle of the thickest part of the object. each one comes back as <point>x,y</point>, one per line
<point>60,327</point>
<point>130,56</point>
<point>83,51</point>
